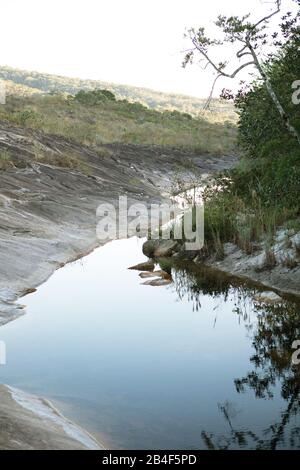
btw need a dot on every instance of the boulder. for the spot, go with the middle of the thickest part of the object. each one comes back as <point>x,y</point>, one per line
<point>158,282</point>
<point>145,266</point>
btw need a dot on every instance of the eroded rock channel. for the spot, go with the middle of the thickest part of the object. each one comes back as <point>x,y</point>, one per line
<point>48,213</point>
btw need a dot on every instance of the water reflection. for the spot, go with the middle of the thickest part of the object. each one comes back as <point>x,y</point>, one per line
<point>272,335</point>
<point>194,364</point>
<point>277,328</point>
<point>192,282</point>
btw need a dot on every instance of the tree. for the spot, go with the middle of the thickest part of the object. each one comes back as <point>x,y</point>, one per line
<point>261,132</point>
<point>252,38</point>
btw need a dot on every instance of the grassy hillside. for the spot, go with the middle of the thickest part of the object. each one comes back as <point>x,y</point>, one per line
<point>92,121</point>
<point>46,83</point>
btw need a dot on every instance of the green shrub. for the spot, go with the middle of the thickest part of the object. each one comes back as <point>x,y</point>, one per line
<point>261,129</point>
<point>94,97</point>
<point>26,117</point>
<point>271,166</point>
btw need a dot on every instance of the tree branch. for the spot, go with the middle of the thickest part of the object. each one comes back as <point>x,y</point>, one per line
<point>241,53</point>
<point>208,101</point>
<point>268,17</point>
<point>236,29</point>
<point>218,69</point>
<point>273,95</point>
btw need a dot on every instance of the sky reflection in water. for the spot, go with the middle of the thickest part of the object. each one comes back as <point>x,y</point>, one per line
<point>189,366</point>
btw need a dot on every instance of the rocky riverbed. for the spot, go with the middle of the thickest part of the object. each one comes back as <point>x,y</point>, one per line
<point>48,213</point>
<point>277,268</point>
<point>48,218</point>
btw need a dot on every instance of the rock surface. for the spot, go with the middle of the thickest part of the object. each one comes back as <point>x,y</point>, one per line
<point>48,218</point>
<point>146,266</point>
<point>48,213</point>
<point>281,278</point>
<point>158,282</point>
<point>160,273</point>
<point>31,423</point>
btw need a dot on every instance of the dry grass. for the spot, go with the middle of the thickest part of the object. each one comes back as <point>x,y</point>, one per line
<point>270,259</point>
<point>5,160</point>
<point>62,160</point>
<point>288,262</point>
<point>121,122</point>
<point>297,249</point>
<point>40,153</point>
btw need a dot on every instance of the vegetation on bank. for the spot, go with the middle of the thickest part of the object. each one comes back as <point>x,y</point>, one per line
<point>252,200</point>
<point>263,192</point>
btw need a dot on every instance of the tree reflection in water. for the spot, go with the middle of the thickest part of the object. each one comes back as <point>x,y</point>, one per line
<point>272,334</point>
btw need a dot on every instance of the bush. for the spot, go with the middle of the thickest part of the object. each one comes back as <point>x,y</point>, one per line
<point>26,117</point>
<point>94,97</point>
<point>274,181</point>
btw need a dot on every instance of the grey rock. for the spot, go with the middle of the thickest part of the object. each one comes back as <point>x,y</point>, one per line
<point>32,423</point>
<point>48,213</point>
<point>146,266</point>
<point>158,282</point>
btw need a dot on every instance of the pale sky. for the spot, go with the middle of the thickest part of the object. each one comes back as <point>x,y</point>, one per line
<point>135,42</point>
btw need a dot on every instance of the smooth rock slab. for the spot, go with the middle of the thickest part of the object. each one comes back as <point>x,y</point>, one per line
<point>32,423</point>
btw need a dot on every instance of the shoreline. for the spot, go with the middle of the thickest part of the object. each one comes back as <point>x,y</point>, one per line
<point>279,278</point>
<point>36,424</point>
<point>48,219</point>
<point>48,213</point>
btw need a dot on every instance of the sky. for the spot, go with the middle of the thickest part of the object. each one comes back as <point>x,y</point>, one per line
<point>134,42</point>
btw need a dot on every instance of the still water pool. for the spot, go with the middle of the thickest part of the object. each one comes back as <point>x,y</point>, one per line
<point>192,365</point>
